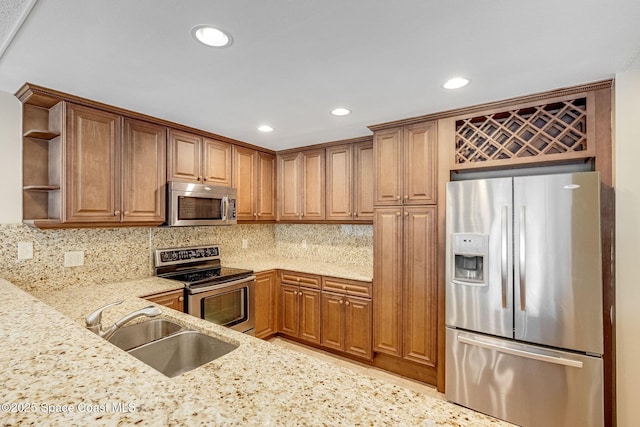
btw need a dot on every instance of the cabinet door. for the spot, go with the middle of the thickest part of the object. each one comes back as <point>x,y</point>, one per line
<point>387,157</point>
<point>333,325</point>
<point>184,157</point>
<point>216,165</point>
<point>387,281</point>
<point>266,197</point>
<point>289,177</point>
<point>357,339</point>
<point>309,315</point>
<point>420,184</point>
<point>244,180</point>
<point>313,184</point>
<point>364,175</point>
<point>172,299</point>
<point>339,183</point>
<point>289,310</point>
<point>420,284</point>
<point>265,303</point>
<point>144,172</point>
<point>92,165</point>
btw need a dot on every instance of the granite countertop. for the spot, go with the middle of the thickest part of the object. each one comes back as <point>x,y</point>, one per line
<point>55,372</point>
<point>265,263</point>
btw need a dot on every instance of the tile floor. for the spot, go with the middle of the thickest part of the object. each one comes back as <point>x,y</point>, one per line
<point>361,368</point>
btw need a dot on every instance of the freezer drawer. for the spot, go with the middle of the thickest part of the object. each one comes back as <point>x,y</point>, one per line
<point>523,384</point>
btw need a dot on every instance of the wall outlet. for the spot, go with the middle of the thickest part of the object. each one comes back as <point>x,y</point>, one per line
<point>245,243</point>
<point>73,258</point>
<point>25,250</point>
<point>304,243</point>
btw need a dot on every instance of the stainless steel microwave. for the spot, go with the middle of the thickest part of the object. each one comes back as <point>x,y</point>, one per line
<point>200,204</point>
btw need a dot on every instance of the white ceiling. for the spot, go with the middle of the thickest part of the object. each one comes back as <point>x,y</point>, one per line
<point>294,60</point>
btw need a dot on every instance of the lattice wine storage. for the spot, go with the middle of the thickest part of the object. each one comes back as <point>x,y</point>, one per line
<point>532,134</point>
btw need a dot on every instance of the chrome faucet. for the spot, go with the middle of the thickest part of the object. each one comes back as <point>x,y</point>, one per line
<point>94,320</point>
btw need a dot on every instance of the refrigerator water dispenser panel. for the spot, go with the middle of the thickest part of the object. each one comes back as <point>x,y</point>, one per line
<point>470,253</point>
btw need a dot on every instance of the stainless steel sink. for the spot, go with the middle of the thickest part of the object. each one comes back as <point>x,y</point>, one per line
<point>135,335</point>
<point>181,352</point>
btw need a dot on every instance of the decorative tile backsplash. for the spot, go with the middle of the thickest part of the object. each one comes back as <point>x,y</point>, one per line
<point>118,254</point>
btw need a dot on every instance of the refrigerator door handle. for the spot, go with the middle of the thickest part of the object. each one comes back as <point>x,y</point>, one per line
<point>522,353</point>
<point>504,260</point>
<point>522,258</point>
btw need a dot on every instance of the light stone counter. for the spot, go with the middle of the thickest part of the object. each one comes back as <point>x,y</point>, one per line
<point>49,361</point>
<point>265,263</point>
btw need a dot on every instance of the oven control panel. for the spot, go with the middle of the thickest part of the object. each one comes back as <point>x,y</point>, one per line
<point>172,256</point>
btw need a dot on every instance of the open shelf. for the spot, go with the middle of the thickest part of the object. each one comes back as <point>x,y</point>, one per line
<point>46,135</point>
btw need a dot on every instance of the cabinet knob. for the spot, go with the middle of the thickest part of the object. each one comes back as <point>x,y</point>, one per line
<point>259,214</point>
<point>126,212</point>
<point>297,279</point>
<point>397,197</point>
<point>116,213</point>
<point>199,178</point>
<point>341,301</point>
<point>295,292</point>
<point>181,299</point>
<point>255,214</point>
<point>346,303</point>
<point>344,287</point>
<point>348,213</point>
<point>406,197</point>
<point>204,179</point>
<point>355,214</point>
<point>406,214</point>
<point>397,213</point>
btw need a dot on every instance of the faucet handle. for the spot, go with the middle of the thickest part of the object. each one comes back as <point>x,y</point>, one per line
<point>94,319</point>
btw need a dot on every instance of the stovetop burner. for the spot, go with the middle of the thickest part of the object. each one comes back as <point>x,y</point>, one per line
<point>196,266</point>
<point>207,276</point>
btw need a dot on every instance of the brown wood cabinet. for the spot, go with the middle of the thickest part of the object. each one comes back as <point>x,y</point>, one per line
<point>405,283</point>
<point>193,158</point>
<point>349,182</point>
<point>254,177</point>
<point>405,164</point>
<point>85,166</point>
<point>301,186</point>
<point>171,299</point>
<point>346,320</point>
<point>299,306</point>
<point>266,307</point>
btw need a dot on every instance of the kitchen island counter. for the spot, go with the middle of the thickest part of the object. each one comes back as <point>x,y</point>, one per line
<point>54,371</point>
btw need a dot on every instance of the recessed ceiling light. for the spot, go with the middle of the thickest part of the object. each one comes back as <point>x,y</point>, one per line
<point>340,111</point>
<point>456,83</point>
<point>211,36</point>
<point>265,128</point>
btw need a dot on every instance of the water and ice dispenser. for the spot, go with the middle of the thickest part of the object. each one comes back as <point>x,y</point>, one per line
<point>470,252</point>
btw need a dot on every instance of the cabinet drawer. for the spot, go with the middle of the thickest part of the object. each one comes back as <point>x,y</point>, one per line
<point>302,279</point>
<point>349,287</point>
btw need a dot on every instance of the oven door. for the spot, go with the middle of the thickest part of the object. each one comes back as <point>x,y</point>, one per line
<point>228,304</point>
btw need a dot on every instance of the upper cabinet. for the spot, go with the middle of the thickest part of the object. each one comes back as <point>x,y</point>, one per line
<point>85,166</point>
<point>349,182</point>
<point>193,158</point>
<point>254,177</point>
<point>301,185</point>
<point>405,165</point>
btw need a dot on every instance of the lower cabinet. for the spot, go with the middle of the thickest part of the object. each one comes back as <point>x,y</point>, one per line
<point>299,306</point>
<point>266,307</point>
<point>346,324</point>
<point>171,299</point>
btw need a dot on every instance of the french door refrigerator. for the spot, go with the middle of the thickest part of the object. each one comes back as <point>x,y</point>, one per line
<point>524,338</point>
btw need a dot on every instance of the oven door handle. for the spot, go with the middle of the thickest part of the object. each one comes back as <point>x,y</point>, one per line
<point>223,285</point>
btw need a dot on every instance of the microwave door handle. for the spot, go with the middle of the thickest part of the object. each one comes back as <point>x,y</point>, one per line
<point>224,207</point>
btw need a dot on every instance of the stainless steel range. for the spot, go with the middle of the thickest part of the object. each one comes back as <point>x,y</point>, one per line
<point>221,295</point>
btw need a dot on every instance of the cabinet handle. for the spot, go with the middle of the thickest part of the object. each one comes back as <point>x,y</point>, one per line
<point>181,299</point>
<point>116,213</point>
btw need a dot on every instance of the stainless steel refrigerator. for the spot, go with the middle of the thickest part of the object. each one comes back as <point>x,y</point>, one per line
<point>524,299</point>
